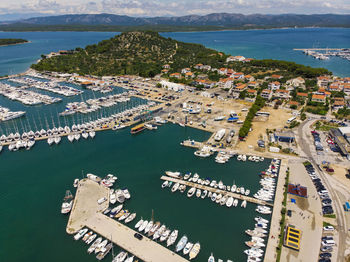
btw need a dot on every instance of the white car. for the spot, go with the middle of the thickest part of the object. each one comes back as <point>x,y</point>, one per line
<point>328,228</point>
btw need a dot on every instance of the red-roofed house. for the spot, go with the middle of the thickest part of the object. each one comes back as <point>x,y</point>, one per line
<point>277,76</point>
<point>239,88</point>
<point>322,81</point>
<point>339,102</point>
<point>335,87</point>
<point>166,66</point>
<point>346,88</point>
<point>176,75</point>
<point>266,93</point>
<point>281,93</point>
<point>198,66</point>
<point>238,75</point>
<point>318,98</point>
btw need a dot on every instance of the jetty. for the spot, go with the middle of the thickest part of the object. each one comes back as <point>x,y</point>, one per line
<point>217,191</point>
<point>86,212</point>
<point>321,49</point>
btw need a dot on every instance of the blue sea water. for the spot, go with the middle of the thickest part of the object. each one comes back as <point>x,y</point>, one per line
<point>33,182</point>
<point>273,43</point>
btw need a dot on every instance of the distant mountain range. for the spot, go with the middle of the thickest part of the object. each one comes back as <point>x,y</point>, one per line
<point>218,20</point>
<point>215,19</point>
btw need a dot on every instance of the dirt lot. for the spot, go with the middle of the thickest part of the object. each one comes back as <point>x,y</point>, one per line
<point>276,120</point>
<point>339,174</point>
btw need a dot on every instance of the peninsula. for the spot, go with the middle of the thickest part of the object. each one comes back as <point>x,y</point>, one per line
<point>12,41</point>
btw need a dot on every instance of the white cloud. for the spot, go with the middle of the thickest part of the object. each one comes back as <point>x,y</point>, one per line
<point>170,7</point>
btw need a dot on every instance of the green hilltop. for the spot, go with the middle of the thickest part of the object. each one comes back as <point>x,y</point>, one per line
<point>136,53</point>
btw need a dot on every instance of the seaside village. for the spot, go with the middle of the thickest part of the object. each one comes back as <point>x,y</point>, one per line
<point>294,205</point>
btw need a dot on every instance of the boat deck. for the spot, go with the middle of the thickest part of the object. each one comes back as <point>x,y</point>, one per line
<point>217,191</point>
<point>87,213</point>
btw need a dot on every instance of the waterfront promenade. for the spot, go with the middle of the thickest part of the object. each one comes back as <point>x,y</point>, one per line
<point>217,191</point>
<point>86,212</point>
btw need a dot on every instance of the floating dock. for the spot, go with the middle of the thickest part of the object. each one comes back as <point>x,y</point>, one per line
<point>86,212</point>
<point>217,191</point>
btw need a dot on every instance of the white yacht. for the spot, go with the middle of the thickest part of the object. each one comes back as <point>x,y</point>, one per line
<point>187,248</point>
<point>80,234</point>
<point>172,238</point>
<point>181,244</point>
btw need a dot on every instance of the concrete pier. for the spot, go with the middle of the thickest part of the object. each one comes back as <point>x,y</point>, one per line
<point>86,212</point>
<point>217,191</point>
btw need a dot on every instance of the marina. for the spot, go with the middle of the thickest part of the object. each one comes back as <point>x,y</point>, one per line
<point>326,53</point>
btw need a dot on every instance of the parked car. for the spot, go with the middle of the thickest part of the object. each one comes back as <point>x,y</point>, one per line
<point>328,228</point>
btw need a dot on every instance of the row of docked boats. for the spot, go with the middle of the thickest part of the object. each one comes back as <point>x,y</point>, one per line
<point>101,247</point>
<point>209,182</point>
<point>250,158</point>
<point>222,157</point>
<point>160,232</point>
<point>268,183</point>
<point>53,135</point>
<point>51,86</point>
<point>256,243</point>
<point>95,104</point>
<point>26,97</point>
<point>6,114</point>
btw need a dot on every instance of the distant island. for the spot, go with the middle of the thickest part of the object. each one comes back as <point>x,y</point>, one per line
<point>212,22</point>
<point>12,41</point>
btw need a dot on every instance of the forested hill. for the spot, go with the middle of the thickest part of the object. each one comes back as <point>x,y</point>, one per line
<point>137,53</point>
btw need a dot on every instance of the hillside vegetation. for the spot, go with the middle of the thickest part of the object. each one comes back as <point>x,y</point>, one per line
<point>137,53</point>
<point>11,41</point>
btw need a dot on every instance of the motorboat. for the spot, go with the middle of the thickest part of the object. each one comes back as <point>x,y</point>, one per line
<point>130,218</point>
<point>173,174</point>
<point>148,227</point>
<point>187,248</point>
<point>165,184</point>
<point>120,257</point>
<point>211,258</point>
<point>195,250</point>
<point>175,187</point>
<point>159,232</point>
<point>191,192</point>
<point>80,234</point>
<point>165,235</point>
<point>143,226</point>
<point>172,238</point>
<point>181,244</point>
<point>198,193</point>
<point>90,239</point>
<point>116,210</point>
<point>139,223</point>
<point>94,245</point>
<point>229,201</point>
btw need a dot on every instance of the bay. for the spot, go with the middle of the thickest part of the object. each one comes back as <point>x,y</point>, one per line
<point>259,44</point>
<point>34,182</point>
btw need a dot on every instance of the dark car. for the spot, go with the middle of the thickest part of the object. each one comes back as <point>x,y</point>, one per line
<point>289,212</point>
<point>326,255</point>
<point>138,236</point>
<point>324,260</point>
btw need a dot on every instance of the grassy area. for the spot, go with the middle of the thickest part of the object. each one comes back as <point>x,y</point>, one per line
<point>283,219</point>
<point>330,215</point>
<point>306,163</point>
<point>324,126</point>
<point>326,224</point>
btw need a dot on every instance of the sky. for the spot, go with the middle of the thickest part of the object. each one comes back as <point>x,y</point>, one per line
<point>152,8</point>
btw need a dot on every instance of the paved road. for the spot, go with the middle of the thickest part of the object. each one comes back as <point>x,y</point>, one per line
<point>305,144</point>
